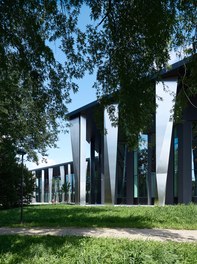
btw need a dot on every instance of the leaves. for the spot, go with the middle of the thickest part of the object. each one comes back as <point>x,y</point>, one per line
<point>10,177</point>
<point>130,45</point>
<point>34,88</point>
<point>127,43</point>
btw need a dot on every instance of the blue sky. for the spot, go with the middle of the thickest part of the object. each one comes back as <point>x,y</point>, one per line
<point>63,153</point>
<point>85,95</point>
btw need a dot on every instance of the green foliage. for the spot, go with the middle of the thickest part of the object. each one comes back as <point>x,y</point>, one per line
<point>175,217</point>
<point>130,44</point>
<point>127,43</point>
<point>10,178</point>
<point>34,86</point>
<point>66,187</point>
<point>39,250</point>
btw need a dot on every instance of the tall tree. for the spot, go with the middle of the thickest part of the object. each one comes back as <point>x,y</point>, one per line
<point>127,43</point>
<point>34,86</point>
<point>130,44</point>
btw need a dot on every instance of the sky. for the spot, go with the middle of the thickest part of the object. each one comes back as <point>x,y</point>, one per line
<point>63,153</point>
<point>85,95</point>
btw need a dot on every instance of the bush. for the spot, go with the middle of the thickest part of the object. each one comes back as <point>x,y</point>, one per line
<point>10,178</point>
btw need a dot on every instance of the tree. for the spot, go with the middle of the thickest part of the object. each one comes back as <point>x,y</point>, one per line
<point>65,189</point>
<point>130,45</point>
<point>34,86</point>
<point>10,178</point>
<point>127,44</point>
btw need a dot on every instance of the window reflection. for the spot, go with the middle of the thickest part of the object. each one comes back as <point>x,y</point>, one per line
<point>194,159</point>
<point>176,144</point>
<point>121,173</point>
<point>141,170</point>
<point>143,165</point>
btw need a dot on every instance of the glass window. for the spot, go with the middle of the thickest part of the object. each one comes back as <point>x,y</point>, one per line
<point>176,145</point>
<point>121,172</point>
<point>143,165</point>
<point>194,159</point>
<point>135,174</point>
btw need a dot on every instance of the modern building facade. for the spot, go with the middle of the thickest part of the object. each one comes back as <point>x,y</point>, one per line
<point>162,169</point>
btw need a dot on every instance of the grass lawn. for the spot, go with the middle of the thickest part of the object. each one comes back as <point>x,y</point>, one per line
<point>52,250</point>
<point>176,217</point>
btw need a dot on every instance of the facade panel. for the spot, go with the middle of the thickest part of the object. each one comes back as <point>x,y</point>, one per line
<point>162,169</point>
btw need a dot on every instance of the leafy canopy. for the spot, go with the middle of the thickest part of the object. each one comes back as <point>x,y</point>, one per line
<point>34,86</point>
<point>126,43</point>
<point>130,44</point>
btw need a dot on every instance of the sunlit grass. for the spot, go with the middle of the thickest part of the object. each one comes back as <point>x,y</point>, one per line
<point>177,217</point>
<point>52,250</point>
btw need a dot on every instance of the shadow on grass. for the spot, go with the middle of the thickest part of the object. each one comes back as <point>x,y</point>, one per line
<point>28,246</point>
<point>86,217</point>
<point>177,217</point>
<point>74,216</point>
<point>48,249</point>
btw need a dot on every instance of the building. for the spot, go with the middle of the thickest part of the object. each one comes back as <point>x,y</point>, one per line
<point>163,169</point>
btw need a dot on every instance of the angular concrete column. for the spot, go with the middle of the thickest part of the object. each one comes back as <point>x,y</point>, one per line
<point>69,182</point>
<point>164,125</point>
<point>170,195</point>
<point>38,188</point>
<point>34,192</point>
<point>78,141</point>
<point>42,189</point>
<point>62,181</point>
<point>50,172</point>
<point>110,157</point>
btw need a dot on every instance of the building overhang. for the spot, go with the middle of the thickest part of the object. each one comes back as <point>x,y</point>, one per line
<point>174,70</point>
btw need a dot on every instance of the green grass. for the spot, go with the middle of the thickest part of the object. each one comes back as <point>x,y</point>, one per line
<point>55,250</point>
<point>176,217</point>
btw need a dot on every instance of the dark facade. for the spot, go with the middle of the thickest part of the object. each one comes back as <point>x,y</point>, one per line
<point>162,169</point>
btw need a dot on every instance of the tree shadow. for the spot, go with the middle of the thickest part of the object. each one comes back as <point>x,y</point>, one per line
<point>85,217</point>
<point>26,245</point>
